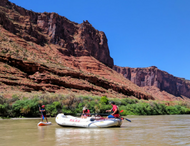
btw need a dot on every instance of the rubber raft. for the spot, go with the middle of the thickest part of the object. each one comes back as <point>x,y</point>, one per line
<point>89,122</point>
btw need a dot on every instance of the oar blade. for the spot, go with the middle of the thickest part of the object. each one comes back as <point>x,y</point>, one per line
<point>121,111</point>
<point>128,120</point>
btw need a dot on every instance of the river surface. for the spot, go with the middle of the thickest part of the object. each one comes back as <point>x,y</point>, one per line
<point>142,131</point>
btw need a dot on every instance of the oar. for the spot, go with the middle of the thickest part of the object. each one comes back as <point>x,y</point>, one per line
<point>41,113</point>
<point>126,118</point>
<point>121,111</point>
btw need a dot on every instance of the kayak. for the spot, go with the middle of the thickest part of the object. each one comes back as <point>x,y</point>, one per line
<point>89,122</point>
<point>44,123</point>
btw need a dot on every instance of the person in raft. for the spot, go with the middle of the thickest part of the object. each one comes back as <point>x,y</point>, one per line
<point>85,113</point>
<point>43,111</point>
<point>114,111</point>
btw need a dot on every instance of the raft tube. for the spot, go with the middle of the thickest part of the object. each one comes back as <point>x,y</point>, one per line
<point>89,122</point>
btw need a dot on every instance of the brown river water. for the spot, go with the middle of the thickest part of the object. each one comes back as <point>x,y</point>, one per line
<point>143,130</point>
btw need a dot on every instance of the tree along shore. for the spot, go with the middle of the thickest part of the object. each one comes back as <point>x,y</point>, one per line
<point>71,104</point>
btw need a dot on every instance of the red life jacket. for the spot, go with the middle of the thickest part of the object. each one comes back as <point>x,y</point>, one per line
<point>117,113</point>
<point>87,112</point>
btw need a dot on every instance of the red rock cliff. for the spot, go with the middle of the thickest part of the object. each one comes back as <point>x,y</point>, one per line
<point>152,76</point>
<point>45,52</point>
<point>72,38</point>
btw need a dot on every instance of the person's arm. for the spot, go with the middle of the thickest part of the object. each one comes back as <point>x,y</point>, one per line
<point>108,110</point>
<point>43,110</point>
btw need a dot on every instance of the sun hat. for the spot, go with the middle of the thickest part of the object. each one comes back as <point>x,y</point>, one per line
<point>84,108</point>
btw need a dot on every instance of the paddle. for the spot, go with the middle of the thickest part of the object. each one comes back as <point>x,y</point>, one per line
<point>41,113</point>
<point>121,111</point>
<point>126,118</point>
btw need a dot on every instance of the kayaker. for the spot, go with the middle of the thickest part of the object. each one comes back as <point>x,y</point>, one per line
<point>43,111</point>
<point>85,113</point>
<point>114,110</point>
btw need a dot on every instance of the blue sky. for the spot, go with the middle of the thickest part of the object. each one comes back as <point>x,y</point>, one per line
<point>140,33</point>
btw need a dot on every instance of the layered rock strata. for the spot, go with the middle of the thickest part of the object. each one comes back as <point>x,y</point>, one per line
<point>152,76</point>
<point>70,37</point>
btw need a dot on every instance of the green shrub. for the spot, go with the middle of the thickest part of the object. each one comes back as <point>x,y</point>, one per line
<point>25,107</point>
<point>79,107</point>
<point>172,110</point>
<point>28,107</point>
<point>67,111</point>
<point>4,109</point>
<point>54,108</point>
<point>104,100</point>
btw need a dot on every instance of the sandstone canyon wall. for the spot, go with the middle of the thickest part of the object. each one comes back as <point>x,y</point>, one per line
<point>45,52</point>
<point>152,76</point>
<point>72,38</point>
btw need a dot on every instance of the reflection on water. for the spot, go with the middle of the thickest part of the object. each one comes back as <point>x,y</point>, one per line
<point>71,136</point>
<point>143,130</point>
<point>42,131</point>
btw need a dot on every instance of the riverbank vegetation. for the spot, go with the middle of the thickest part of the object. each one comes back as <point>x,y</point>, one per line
<point>19,106</point>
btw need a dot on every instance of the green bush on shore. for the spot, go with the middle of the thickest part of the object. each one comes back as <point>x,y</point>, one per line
<point>29,107</point>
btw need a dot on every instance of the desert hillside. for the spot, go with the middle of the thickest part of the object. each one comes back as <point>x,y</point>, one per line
<point>45,52</point>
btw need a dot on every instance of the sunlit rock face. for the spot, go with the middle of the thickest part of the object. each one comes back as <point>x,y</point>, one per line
<point>72,38</point>
<point>45,52</point>
<point>152,76</point>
